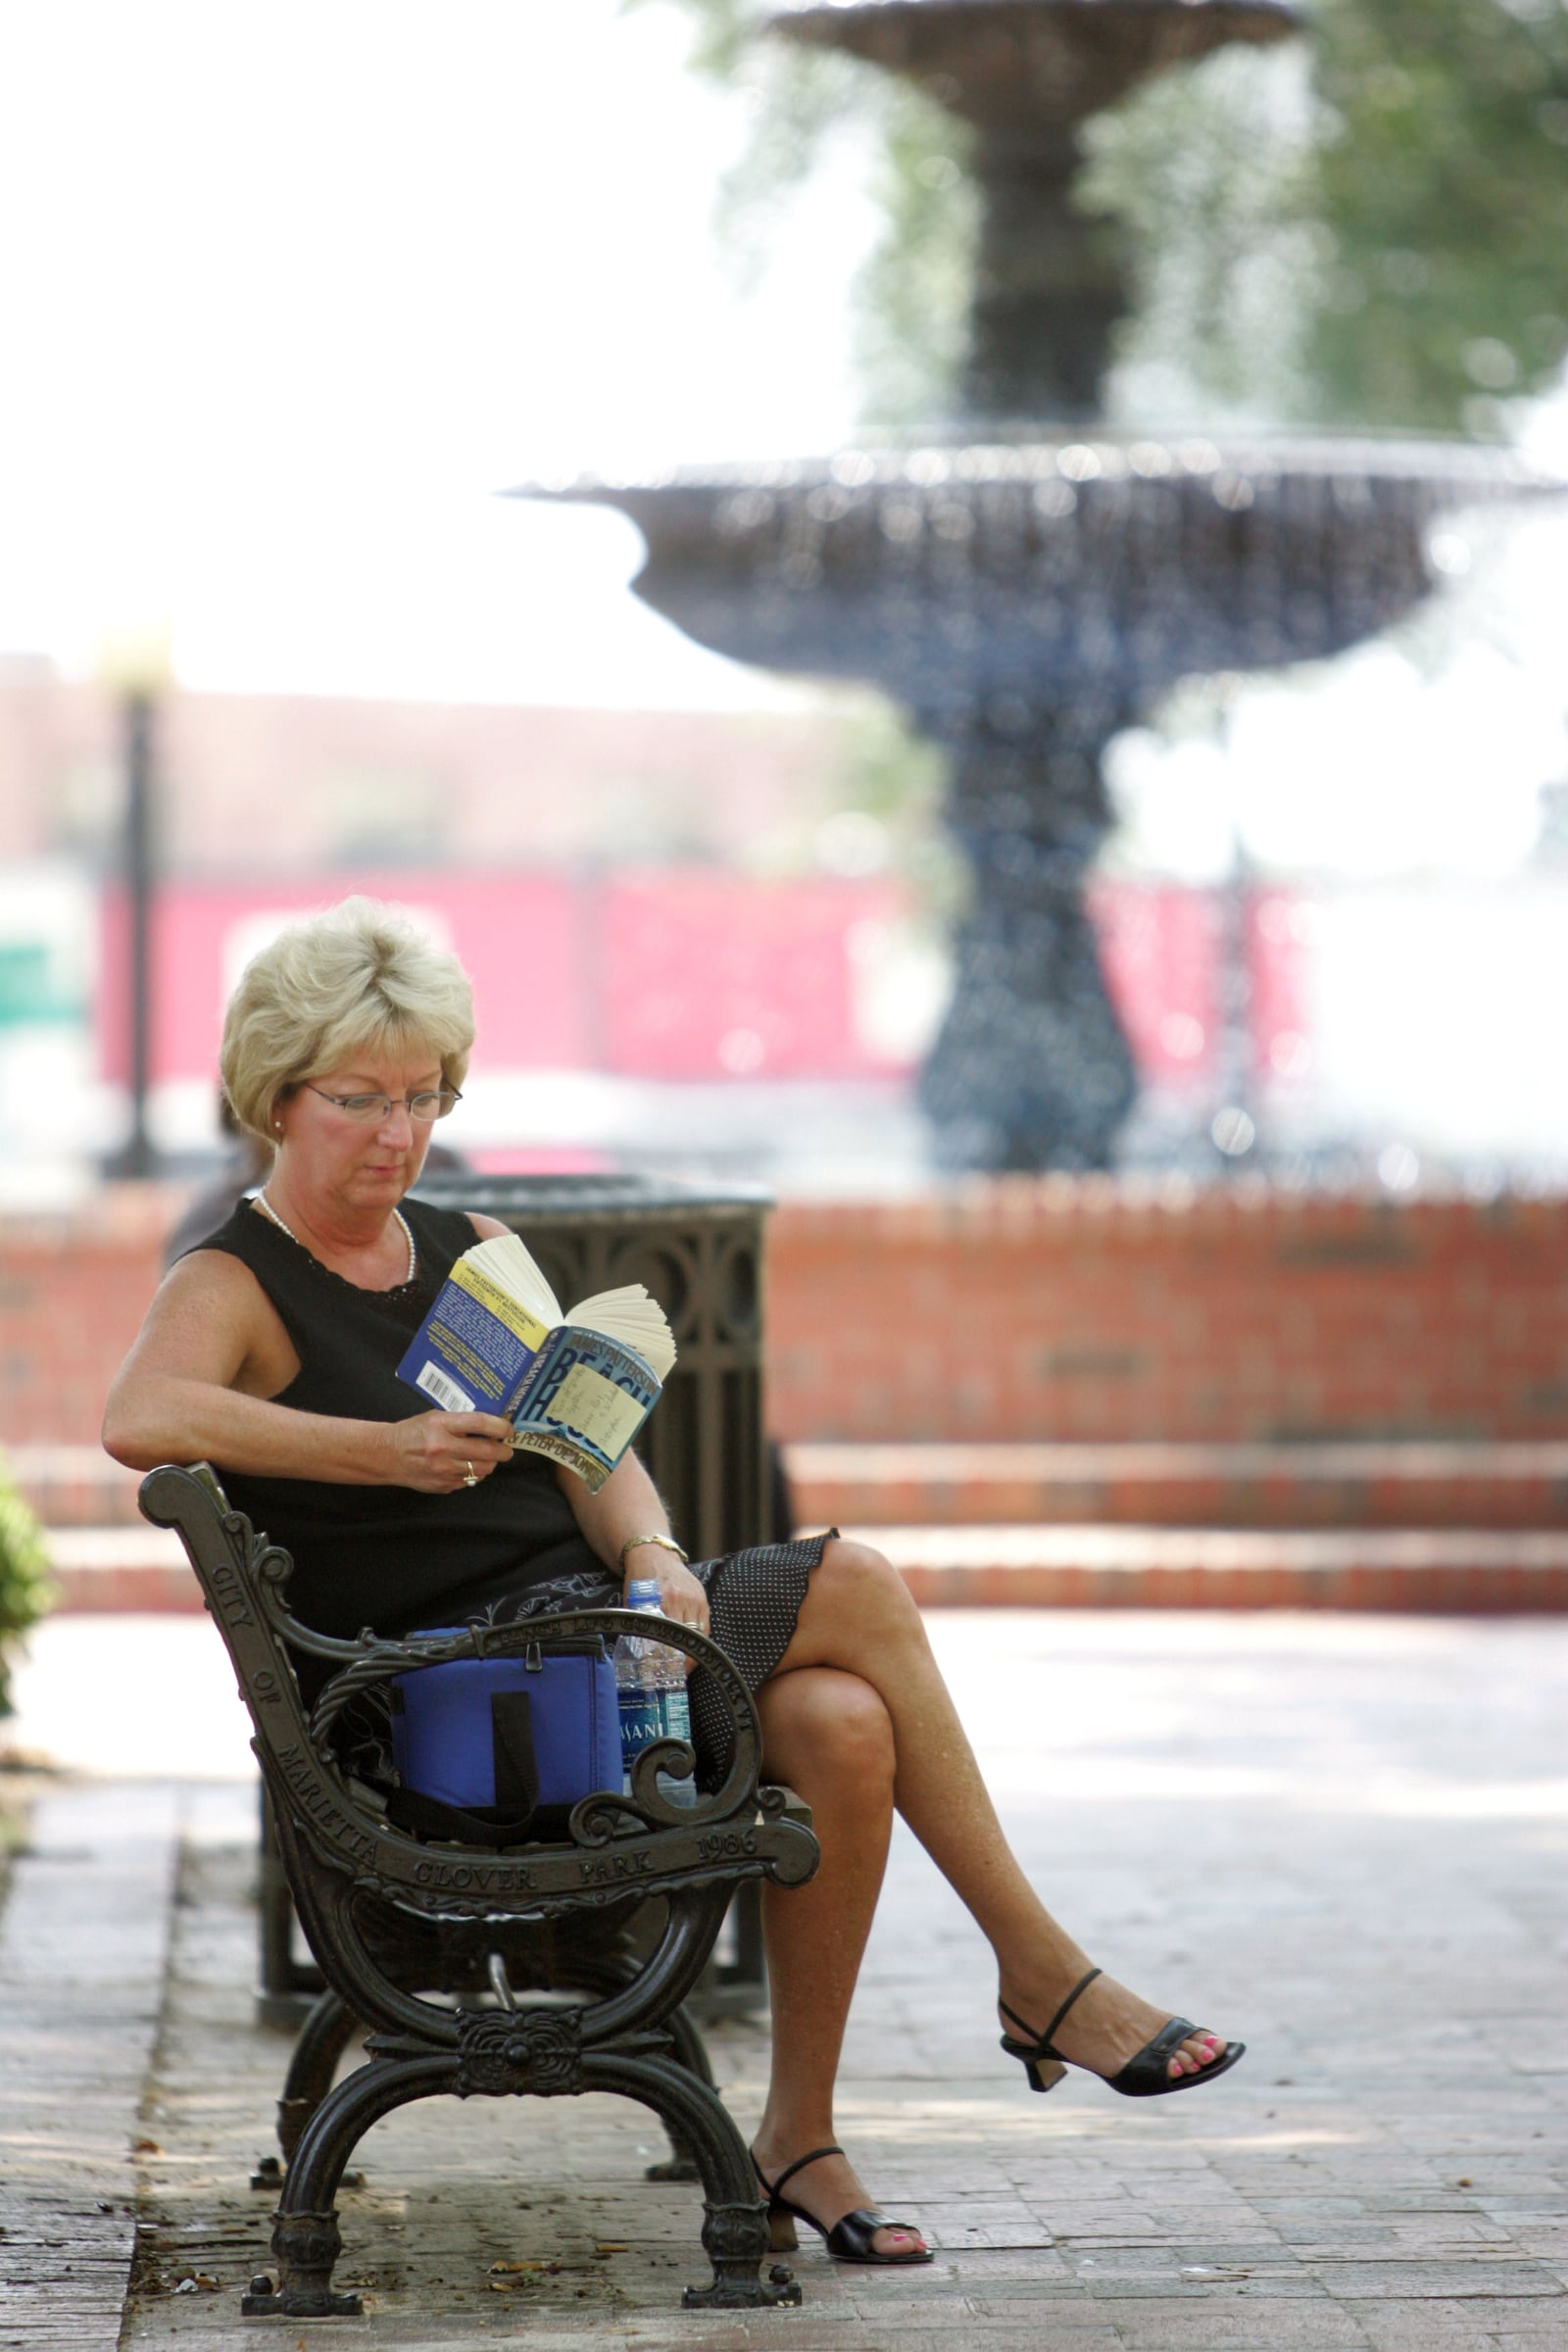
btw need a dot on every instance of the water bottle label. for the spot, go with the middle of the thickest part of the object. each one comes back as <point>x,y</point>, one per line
<point>677,1715</point>
<point>641,1723</point>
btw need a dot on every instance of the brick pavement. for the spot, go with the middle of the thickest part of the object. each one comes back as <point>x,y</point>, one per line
<point>1341,1838</point>
<point>84,1948</point>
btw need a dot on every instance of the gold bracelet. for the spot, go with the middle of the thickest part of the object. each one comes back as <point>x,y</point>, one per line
<point>665,1542</point>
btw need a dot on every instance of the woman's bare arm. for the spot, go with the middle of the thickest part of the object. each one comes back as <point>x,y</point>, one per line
<point>627,1504</point>
<point>199,1382</point>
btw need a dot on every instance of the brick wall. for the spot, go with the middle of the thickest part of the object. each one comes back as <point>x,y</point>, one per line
<point>1046,1309</point>
<point>1058,1309</point>
<point>74,1288</point>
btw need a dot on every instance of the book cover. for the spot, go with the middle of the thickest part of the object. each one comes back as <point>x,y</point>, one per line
<point>572,1393</point>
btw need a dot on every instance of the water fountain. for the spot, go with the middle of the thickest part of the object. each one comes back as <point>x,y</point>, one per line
<point>1027,590</point>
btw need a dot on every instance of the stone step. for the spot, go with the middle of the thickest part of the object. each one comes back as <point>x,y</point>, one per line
<point>1397,1484</point>
<point>1485,1571</point>
<point>1482,1571</point>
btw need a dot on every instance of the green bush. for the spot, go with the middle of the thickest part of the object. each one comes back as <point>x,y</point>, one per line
<point>25,1591</point>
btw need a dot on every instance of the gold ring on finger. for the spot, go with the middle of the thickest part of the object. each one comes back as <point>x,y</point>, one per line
<point>473,1479</point>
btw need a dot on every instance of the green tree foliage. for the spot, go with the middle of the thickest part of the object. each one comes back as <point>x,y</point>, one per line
<point>1367,227</point>
<point>1443,167</point>
<point>25,1590</point>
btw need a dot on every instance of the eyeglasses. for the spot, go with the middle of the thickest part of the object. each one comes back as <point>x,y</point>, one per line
<point>371,1109</point>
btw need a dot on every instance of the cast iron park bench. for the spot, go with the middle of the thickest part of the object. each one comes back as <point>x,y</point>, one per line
<point>429,1944</point>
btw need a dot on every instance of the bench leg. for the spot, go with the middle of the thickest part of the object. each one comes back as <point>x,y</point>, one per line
<point>680,2164</point>
<point>735,2229</point>
<point>305,2235</point>
<point>328,2028</point>
<point>305,2243</point>
<point>325,2036</point>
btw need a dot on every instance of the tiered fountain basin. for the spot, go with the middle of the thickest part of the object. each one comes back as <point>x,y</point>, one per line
<point>1015,575</point>
<point>1028,62</point>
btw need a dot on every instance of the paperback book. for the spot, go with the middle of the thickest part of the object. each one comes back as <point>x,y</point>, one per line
<point>576,1387</point>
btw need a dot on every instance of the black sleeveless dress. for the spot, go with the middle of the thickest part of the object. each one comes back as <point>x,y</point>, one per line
<point>398,1560</point>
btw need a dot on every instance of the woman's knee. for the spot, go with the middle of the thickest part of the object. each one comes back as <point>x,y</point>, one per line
<point>820,1718</point>
<point>864,1573</point>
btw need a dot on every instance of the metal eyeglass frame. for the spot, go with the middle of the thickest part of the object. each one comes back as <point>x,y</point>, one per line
<point>447,1095</point>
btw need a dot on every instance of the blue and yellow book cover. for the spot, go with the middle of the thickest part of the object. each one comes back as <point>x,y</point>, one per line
<point>573,1394</point>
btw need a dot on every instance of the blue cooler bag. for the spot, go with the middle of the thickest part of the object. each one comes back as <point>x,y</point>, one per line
<point>493,1750</point>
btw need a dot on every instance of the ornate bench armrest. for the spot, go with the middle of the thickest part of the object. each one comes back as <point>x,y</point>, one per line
<point>243,1576</point>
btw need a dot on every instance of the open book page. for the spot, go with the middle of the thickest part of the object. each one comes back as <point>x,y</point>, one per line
<point>627,1313</point>
<point>637,1321</point>
<point>513,1267</point>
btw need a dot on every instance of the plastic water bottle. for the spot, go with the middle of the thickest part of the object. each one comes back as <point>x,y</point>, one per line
<point>650,1685</point>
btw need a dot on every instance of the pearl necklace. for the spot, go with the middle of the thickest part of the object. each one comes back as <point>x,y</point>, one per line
<point>266,1210</point>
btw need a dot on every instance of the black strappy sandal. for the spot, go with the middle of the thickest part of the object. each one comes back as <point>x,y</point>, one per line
<point>849,2240</point>
<point>1143,2077</point>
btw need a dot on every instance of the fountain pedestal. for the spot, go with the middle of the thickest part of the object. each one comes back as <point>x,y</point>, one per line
<point>1031,1067</point>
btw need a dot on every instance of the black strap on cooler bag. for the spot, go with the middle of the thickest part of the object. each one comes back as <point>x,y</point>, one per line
<point>516,1812</point>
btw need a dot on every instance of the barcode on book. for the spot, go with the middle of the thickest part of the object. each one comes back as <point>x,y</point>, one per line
<point>446,1393</point>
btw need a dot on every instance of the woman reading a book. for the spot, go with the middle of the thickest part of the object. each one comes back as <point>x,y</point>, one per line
<point>270,1350</point>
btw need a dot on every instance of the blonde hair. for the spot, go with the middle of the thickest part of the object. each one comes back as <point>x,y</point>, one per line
<point>358,977</point>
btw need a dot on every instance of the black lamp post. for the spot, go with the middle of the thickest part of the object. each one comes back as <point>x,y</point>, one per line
<point>136,668</point>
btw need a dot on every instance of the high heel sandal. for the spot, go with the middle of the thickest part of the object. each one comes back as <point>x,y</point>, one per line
<point>849,2240</point>
<point>1143,2077</point>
